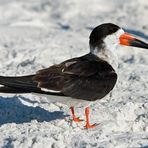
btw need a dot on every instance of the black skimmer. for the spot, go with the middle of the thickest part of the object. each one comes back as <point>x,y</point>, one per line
<point>86,78</point>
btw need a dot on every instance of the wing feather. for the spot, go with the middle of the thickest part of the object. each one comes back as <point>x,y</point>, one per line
<point>86,77</point>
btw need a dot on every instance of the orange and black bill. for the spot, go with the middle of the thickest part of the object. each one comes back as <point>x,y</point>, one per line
<point>129,40</point>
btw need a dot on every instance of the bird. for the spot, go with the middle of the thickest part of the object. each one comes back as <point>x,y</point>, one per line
<point>81,79</point>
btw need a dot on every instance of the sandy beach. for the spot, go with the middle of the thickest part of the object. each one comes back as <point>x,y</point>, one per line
<point>35,34</point>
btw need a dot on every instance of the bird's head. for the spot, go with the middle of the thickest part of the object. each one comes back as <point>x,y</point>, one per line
<point>107,36</point>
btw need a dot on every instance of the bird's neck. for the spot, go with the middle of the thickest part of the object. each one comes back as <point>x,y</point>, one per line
<point>106,55</point>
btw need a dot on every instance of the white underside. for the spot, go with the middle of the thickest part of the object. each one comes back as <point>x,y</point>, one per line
<point>65,100</point>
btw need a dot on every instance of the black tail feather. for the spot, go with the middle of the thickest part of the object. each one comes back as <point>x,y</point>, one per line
<point>18,82</point>
<point>6,89</point>
<point>23,84</point>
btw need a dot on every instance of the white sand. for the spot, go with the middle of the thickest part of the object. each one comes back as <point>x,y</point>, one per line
<point>38,33</point>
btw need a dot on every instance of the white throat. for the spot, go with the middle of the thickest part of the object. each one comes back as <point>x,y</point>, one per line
<point>108,56</point>
<point>107,52</point>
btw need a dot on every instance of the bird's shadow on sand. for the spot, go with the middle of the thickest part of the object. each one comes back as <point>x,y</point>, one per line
<point>13,111</point>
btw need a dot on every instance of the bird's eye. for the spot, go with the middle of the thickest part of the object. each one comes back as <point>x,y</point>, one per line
<point>113,30</point>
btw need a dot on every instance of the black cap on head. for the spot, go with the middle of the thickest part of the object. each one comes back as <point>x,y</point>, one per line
<point>100,32</point>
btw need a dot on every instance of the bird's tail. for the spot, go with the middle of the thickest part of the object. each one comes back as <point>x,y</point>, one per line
<point>5,89</point>
<point>22,84</point>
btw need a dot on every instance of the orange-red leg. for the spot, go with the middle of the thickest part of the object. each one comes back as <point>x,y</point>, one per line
<point>76,119</point>
<point>87,119</point>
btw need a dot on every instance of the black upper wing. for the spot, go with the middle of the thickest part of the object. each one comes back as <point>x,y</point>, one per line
<point>86,77</point>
